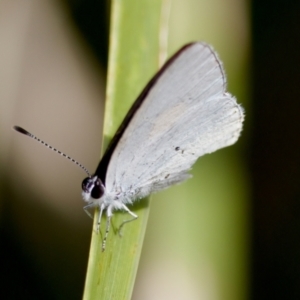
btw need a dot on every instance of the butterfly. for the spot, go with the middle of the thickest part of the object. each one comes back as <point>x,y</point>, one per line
<point>183,113</point>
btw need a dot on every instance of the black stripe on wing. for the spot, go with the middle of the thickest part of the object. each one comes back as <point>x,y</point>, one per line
<point>103,165</point>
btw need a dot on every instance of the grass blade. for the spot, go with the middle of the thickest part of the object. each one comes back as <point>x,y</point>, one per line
<point>134,56</point>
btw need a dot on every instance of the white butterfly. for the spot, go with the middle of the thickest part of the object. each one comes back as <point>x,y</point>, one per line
<point>183,113</point>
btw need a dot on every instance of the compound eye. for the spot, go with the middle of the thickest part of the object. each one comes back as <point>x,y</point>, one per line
<point>86,184</point>
<point>93,186</point>
<point>98,189</point>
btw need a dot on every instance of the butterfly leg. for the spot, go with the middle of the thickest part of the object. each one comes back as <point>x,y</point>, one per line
<point>85,208</point>
<point>134,217</point>
<point>102,206</point>
<point>108,217</point>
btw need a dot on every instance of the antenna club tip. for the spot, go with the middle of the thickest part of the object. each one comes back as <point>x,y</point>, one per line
<point>21,130</point>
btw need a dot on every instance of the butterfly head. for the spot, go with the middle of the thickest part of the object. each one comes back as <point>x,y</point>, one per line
<point>92,188</point>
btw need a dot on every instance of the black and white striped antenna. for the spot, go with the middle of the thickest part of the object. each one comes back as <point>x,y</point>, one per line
<point>25,132</point>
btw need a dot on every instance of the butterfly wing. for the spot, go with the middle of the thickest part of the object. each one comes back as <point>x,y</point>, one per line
<point>184,112</point>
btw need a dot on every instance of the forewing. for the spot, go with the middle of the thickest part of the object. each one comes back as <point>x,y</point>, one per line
<point>186,113</point>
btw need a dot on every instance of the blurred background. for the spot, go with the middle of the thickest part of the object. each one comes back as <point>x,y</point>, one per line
<point>237,235</point>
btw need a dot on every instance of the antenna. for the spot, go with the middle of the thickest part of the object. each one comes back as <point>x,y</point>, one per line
<point>25,132</point>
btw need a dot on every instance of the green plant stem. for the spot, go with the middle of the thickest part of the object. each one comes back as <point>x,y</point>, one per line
<point>134,55</point>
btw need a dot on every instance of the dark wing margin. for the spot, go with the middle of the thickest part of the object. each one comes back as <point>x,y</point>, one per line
<point>104,162</point>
